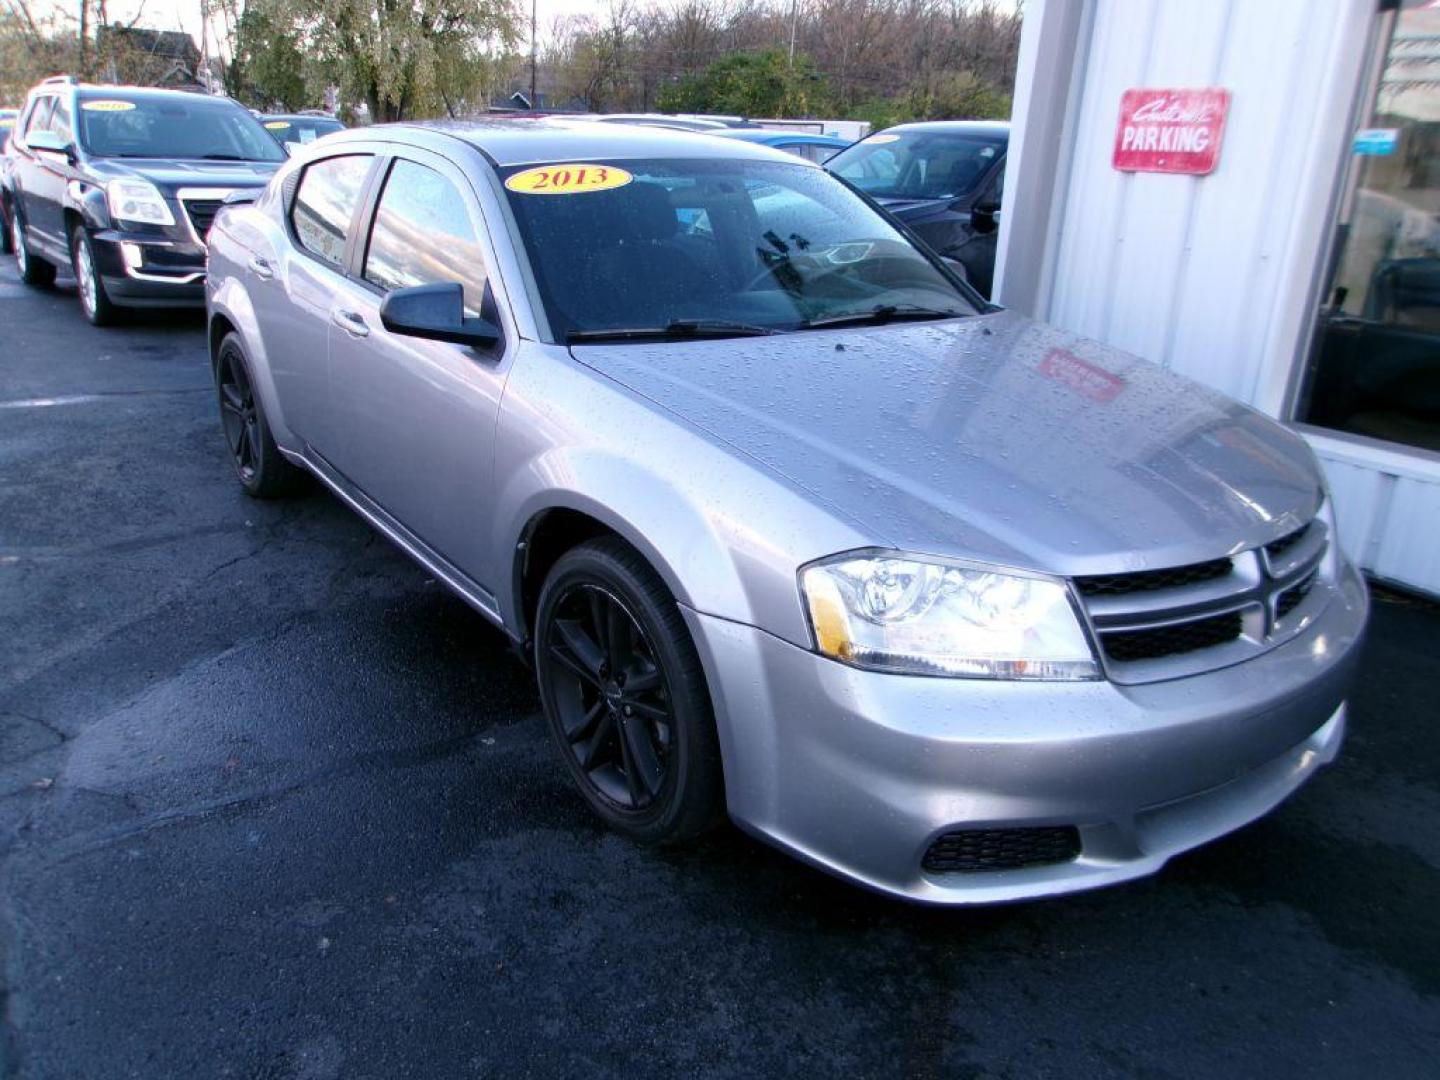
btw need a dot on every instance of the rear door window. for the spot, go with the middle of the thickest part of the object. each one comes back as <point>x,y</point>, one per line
<point>325,205</point>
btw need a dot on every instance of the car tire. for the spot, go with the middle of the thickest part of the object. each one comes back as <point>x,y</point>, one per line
<point>94,301</point>
<point>33,270</point>
<point>259,465</point>
<point>7,237</point>
<point>632,720</point>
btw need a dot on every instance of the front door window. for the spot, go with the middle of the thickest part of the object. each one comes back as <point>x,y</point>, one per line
<point>1375,369</point>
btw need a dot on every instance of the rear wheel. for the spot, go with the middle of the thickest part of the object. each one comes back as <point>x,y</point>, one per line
<point>261,468</point>
<point>94,301</point>
<point>625,695</point>
<point>7,237</point>
<point>33,269</point>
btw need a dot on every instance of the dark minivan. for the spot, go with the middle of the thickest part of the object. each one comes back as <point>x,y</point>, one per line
<point>944,179</point>
<point>121,184</point>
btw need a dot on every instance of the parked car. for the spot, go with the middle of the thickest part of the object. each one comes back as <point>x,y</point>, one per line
<point>944,179</point>
<point>816,148</point>
<point>789,521</point>
<point>7,123</point>
<point>121,183</point>
<point>666,120</point>
<point>299,129</point>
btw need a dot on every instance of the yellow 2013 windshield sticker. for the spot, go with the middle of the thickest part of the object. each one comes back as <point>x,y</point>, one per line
<point>107,106</point>
<point>881,138</point>
<point>569,179</point>
<point>277,125</point>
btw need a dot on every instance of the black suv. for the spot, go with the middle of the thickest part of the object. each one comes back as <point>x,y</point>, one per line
<point>121,183</point>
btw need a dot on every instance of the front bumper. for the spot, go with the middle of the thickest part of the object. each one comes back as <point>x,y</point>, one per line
<point>859,772</point>
<point>145,270</point>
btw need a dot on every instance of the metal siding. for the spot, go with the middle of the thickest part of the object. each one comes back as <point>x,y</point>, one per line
<point>1409,547</point>
<point>1194,272</point>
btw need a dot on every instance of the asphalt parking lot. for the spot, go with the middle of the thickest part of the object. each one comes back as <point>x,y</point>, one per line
<point>274,805</point>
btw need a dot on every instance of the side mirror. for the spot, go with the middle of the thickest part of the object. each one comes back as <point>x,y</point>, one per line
<point>985,217</point>
<point>47,142</point>
<point>436,313</point>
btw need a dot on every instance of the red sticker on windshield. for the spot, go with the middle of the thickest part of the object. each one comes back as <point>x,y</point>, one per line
<point>1083,377</point>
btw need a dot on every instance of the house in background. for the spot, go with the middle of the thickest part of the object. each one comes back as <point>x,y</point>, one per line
<point>144,57</point>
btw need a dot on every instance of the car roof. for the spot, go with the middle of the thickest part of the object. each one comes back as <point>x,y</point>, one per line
<point>772,135</point>
<point>138,93</point>
<point>297,116</point>
<point>998,130</point>
<point>525,141</point>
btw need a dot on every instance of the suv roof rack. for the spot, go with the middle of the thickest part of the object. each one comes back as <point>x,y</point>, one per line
<point>68,80</point>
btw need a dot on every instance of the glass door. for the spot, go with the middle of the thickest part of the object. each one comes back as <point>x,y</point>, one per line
<point>1375,366</point>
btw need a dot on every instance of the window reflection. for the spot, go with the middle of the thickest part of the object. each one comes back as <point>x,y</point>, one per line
<point>423,236</point>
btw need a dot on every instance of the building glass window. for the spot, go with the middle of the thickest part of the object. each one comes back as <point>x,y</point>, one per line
<point>1375,367</point>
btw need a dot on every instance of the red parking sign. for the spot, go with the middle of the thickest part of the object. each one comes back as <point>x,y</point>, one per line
<point>1171,131</point>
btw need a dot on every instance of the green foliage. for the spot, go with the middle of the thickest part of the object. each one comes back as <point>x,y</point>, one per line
<point>408,57</point>
<point>950,96</point>
<point>268,70</point>
<point>751,84</point>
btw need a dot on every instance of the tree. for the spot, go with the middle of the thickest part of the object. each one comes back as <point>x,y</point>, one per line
<point>407,57</point>
<point>751,84</point>
<point>267,70</point>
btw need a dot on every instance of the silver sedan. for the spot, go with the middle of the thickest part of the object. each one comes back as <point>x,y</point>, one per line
<point>792,525</point>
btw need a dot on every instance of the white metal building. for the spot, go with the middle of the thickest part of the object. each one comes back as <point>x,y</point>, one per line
<point>1302,274</point>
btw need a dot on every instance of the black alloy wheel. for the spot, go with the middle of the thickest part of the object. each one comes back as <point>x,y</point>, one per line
<point>238,415</point>
<point>612,697</point>
<point>259,465</point>
<point>625,695</point>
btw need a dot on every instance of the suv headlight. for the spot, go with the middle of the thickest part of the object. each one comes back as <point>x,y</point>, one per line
<point>138,200</point>
<point>925,617</point>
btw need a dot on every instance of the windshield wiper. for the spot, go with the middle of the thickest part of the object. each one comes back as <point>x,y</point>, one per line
<point>221,157</point>
<point>677,328</point>
<point>878,316</point>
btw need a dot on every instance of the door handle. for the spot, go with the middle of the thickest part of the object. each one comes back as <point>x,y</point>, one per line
<point>350,322</point>
<point>262,267</point>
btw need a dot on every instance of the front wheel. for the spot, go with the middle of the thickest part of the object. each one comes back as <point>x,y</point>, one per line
<point>625,696</point>
<point>94,300</point>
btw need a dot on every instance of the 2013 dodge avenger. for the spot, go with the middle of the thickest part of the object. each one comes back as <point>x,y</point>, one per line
<point>792,525</point>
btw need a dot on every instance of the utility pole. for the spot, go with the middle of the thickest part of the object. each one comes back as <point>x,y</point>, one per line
<point>794,21</point>
<point>533,47</point>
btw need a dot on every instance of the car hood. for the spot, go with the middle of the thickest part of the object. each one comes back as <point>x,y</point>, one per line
<point>995,438</point>
<point>170,175</point>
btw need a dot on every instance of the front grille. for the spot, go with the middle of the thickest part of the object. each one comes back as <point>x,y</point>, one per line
<point>1277,548</point>
<point>978,850</point>
<point>1290,599</point>
<point>1164,624</point>
<point>202,214</point>
<point>1176,577</point>
<point>1157,641</point>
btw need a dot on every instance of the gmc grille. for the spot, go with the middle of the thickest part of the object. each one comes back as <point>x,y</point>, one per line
<point>202,214</point>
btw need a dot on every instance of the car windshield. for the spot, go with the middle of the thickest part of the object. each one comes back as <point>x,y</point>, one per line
<point>917,164</point>
<point>301,129</point>
<point>193,126</point>
<point>702,245</point>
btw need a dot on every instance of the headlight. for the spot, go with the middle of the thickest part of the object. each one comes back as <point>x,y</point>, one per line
<point>138,200</point>
<point>933,618</point>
